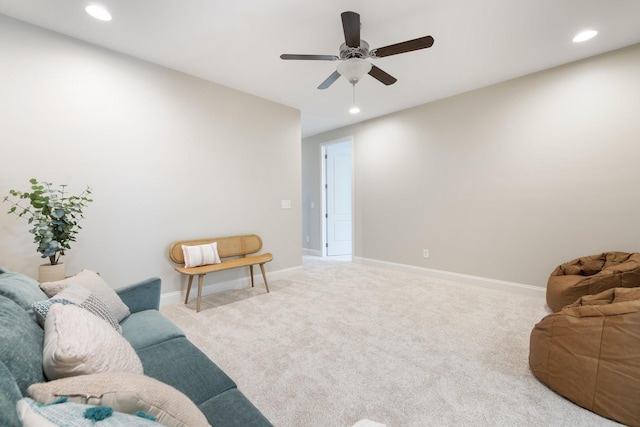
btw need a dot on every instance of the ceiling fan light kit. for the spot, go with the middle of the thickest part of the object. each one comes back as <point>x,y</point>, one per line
<point>354,52</point>
<point>353,69</point>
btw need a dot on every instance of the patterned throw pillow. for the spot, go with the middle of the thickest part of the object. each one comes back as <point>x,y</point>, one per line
<point>81,297</point>
<point>92,281</point>
<point>125,393</point>
<point>70,414</point>
<point>195,256</point>
<point>41,308</point>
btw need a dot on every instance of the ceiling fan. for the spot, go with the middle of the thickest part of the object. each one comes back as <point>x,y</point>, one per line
<point>354,51</point>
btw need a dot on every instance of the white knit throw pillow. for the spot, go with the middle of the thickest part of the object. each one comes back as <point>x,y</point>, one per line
<point>77,343</point>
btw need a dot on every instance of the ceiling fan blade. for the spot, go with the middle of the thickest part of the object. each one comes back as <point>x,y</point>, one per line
<point>351,27</point>
<point>329,81</point>
<point>382,76</point>
<point>309,57</point>
<point>408,46</point>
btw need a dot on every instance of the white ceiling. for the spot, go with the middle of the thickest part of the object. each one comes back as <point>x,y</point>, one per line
<point>238,43</point>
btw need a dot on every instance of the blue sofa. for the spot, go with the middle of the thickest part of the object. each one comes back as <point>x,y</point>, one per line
<point>166,354</point>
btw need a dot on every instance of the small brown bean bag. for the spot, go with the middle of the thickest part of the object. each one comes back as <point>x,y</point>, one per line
<point>590,353</point>
<point>590,275</point>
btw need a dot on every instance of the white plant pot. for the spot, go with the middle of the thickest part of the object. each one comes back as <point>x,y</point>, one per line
<point>50,273</point>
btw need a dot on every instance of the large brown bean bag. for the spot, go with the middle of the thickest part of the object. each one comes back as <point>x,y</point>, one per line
<point>590,275</point>
<point>590,353</point>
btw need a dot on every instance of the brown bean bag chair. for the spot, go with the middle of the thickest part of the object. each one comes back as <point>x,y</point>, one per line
<point>590,353</point>
<point>590,275</point>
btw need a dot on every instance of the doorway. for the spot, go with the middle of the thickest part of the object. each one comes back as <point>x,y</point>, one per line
<point>337,231</point>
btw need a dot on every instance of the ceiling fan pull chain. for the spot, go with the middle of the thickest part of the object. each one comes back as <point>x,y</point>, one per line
<point>354,107</point>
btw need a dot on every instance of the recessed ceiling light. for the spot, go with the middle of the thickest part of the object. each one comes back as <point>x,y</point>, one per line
<point>583,36</point>
<point>98,12</point>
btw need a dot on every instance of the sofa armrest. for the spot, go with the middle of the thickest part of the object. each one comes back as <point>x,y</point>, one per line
<point>144,295</point>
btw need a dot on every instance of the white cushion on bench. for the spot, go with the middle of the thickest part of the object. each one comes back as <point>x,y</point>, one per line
<point>195,256</point>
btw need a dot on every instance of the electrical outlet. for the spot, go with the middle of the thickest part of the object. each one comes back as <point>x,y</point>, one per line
<point>308,239</point>
<point>425,253</point>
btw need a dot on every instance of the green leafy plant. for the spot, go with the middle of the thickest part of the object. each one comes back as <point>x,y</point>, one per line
<point>53,214</point>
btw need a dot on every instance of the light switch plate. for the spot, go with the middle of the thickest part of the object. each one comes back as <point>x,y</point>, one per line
<point>286,204</point>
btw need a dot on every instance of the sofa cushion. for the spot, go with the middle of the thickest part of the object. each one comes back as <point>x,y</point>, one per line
<point>232,408</point>
<point>21,345</point>
<point>9,395</point>
<point>77,343</point>
<point>92,281</point>
<point>21,289</point>
<point>180,363</point>
<point>129,393</point>
<point>143,295</point>
<point>149,327</point>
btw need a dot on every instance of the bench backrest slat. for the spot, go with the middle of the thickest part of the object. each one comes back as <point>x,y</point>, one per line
<point>231,246</point>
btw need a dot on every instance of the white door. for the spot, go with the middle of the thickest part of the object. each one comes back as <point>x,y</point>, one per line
<point>338,193</point>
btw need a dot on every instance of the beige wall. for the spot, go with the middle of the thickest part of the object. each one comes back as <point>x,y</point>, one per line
<point>505,182</point>
<point>169,157</point>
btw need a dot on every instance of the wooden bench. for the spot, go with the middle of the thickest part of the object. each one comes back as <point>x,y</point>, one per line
<point>234,251</point>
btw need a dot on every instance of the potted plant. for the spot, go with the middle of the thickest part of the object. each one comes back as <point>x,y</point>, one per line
<point>54,216</point>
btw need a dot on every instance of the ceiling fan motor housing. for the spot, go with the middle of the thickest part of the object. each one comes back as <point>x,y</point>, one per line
<point>361,51</point>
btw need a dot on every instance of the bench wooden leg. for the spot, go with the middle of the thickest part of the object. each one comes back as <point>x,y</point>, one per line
<point>186,300</point>
<point>251,272</point>
<point>200,277</point>
<point>264,276</point>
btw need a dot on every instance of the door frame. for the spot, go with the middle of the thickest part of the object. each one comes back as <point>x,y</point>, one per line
<point>323,190</point>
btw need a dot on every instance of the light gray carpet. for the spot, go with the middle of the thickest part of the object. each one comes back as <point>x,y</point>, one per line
<point>340,342</point>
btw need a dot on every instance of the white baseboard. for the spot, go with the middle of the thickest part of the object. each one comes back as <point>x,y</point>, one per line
<point>311,252</point>
<point>501,285</point>
<point>518,288</point>
<point>214,288</point>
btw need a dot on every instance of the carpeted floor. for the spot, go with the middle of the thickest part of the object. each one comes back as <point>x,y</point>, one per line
<point>340,342</point>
